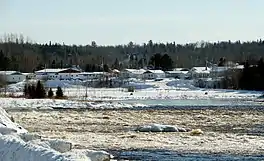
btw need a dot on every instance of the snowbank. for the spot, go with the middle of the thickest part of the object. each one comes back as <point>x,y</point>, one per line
<point>160,128</point>
<point>7,126</point>
<point>49,104</point>
<point>16,144</point>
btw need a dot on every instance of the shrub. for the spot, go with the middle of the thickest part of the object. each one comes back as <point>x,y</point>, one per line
<point>131,89</point>
<point>50,93</point>
<point>59,92</point>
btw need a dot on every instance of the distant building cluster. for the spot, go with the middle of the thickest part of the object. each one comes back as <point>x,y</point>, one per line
<point>210,74</point>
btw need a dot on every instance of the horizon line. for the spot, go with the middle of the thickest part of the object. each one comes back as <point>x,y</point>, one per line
<point>27,39</point>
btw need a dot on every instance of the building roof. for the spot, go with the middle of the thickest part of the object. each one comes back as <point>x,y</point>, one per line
<point>177,72</point>
<point>181,69</point>
<point>49,70</point>
<point>239,67</point>
<point>136,71</point>
<point>28,73</point>
<point>10,73</point>
<point>155,71</point>
<point>115,71</point>
<point>201,69</point>
<point>219,69</point>
<point>92,73</point>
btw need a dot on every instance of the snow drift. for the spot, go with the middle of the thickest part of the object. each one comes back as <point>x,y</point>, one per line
<point>160,128</point>
<point>16,144</point>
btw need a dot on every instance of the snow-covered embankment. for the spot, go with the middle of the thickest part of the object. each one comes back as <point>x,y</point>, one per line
<point>17,144</point>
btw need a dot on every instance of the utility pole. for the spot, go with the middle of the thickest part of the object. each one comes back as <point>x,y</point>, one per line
<point>86,88</point>
<point>5,83</point>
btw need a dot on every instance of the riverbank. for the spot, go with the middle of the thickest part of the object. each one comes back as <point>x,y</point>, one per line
<point>225,131</point>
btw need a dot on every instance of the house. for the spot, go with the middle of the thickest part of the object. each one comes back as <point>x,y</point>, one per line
<point>92,75</point>
<point>217,71</point>
<point>180,69</point>
<point>153,74</point>
<point>222,71</point>
<point>199,72</point>
<point>176,74</point>
<point>12,76</point>
<point>62,74</point>
<point>29,75</point>
<point>132,73</point>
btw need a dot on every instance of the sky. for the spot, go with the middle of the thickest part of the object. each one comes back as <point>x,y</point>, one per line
<point>112,22</point>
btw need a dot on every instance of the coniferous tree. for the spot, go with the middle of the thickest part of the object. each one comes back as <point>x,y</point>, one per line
<point>25,90</point>
<point>32,91</point>
<point>59,92</point>
<point>40,91</point>
<point>50,93</point>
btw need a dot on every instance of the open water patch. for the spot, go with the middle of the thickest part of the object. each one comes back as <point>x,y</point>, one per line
<point>166,155</point>
<point>194,104</point>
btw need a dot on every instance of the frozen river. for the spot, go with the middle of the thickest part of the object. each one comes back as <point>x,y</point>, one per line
<point>164,155</point>
<point>196,103</point>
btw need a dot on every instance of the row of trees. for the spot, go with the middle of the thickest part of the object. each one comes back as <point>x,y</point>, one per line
<point>24,55</point>
<point>38,91</point>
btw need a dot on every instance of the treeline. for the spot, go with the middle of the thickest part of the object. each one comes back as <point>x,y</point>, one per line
<point>19,53</point>
<point>250,78</point>
<point>253,76</point>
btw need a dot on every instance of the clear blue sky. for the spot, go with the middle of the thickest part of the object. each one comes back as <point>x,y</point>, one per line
<point>121,21</point>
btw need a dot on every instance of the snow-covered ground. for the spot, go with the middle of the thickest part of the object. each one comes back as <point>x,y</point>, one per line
<point>109,98</point>
<point>165,89</point>
<point>17,144</point>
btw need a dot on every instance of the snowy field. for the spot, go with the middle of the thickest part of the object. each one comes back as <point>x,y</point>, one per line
<point>166,89</point>
<point>59,129</point>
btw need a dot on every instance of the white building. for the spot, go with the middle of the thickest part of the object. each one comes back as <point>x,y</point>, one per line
<point>92,75</point>
<point>12,76</point>
<point>199,72</point>
<point>153,74</point>
<point>218,71</point>
<point>29,75</point>
<point>68,74</point>
<point>176,74</point>
<point>132,73</point>
<point>61,74</point>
